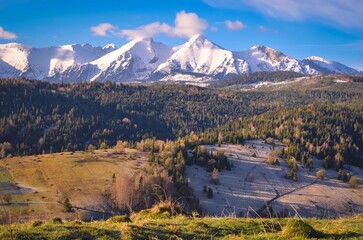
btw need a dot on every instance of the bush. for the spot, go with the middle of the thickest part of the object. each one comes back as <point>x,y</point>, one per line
<point>7,199</point>
<point>270,141</point>
<point>299,228</point>
<point>354,182</point>
<point>36,223</point>
<point>67,205</point>
<point>320,174</point>
<point>119,219</point>
<point>215,176</point>
<point>77,222</point>
<point>56,220</point>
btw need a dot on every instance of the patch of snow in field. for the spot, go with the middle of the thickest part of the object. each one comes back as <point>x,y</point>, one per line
<point>340,81</point>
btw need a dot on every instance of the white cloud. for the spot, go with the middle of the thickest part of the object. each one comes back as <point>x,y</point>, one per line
<point>234,26</point>
<point>188,24</point>
<point>346,13</point>
<point>266,30</point>
<point>7,35</point>
<point>146,31</point>
<point>103,29</point>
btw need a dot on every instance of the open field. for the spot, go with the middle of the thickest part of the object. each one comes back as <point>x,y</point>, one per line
<point>37,185</point>
<point>253,184</point>
<point>146,225</point>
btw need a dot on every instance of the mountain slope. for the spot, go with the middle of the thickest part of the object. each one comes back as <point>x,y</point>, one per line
<point>262,58</point>
<point>324,66</point>
<point>200,59</point>
<point>41,63</point>
<point>133,61</point>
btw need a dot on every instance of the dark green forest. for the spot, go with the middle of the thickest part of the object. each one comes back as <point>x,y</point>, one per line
<point>37,116</point>
<point>257,77</point>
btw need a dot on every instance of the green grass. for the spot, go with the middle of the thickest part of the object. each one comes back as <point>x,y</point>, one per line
<point>146,226</point>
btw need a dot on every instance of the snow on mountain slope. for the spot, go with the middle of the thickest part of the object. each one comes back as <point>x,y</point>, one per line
<point>198,60</point>
<point>262,58</point>
<point>133,61</point>
<point>202,59</point>
<point>15,55</point>
<point>40,63</point>
<point>321,65</point>
<point>8,71</point>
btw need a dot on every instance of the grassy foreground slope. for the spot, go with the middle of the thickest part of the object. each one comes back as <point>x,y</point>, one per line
<point>148,225</point>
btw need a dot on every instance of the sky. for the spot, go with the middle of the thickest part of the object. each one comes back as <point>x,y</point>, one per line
<point>332,29</point>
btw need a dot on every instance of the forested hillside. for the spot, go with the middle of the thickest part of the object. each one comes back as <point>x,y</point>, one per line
<point>257,77</point>
<point>332,132</point>
<point>38,117</point>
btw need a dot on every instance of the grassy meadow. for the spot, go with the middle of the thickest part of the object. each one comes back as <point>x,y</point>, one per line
<point>34,187</point>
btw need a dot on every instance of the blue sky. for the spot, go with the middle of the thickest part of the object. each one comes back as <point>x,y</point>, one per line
<point>332,29</point>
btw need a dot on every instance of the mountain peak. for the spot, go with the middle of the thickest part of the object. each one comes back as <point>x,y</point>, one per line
<point>199,59</point>
<point>109,46</point>
<point>316,58</point>
<point>197,37</point>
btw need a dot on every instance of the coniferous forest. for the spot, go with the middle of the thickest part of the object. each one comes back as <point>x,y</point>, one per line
<point>39,117</point>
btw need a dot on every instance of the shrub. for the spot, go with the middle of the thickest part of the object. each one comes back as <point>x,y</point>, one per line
<point>36,223</point>
<point>320,174</point>
<point>7,199</point>
<point>270,141</point>
<point>119,219</point>
<point>299,228</point>
<point>294,176</point>
<point>91,148</point>
<point>210,193</point>
<point>67,205</point>
<point>354,182</point>
<point>77,222</point>
<point>215,176</point>
<point>56,220</point>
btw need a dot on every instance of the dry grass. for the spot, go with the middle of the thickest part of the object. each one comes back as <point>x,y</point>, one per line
<point>80,176</point>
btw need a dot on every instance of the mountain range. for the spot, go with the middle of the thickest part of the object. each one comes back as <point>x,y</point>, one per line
<point>198,60</point>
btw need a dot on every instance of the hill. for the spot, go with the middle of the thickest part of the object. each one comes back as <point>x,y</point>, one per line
<point>39,117</point>
<point>37,186</point>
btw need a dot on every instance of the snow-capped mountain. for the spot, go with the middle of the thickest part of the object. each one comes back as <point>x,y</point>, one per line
<point>262,58</point>
<point>18,60</point>
<point>198,60</point>
<point>133,61</point>
<point>323,66</point>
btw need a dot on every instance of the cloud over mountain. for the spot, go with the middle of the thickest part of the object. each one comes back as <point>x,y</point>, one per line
<point>234,25</point>
<point>7,35</point>
<point>103,29</point>
<point>186,25</point>
<point>346,13</point>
